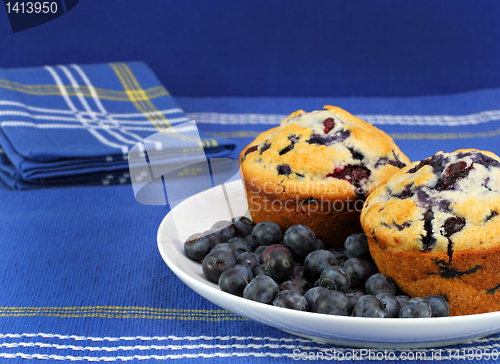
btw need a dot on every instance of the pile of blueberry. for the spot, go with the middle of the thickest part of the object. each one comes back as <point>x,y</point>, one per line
<point>294,270</point>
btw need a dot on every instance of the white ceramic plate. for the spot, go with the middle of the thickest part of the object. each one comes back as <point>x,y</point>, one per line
<point>201,211</point>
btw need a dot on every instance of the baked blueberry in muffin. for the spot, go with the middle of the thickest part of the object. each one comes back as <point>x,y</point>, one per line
<point>434,229</point>
<point>316,169</point>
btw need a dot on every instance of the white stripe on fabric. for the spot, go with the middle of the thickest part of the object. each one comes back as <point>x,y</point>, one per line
<point>67,126</point>
<point>179,356</point>
<point>271,119</point>
<point>142,122</point>
<point>149,113</point>
<point>79,126</point>
<point>76,120</point>
<point>72,107</point>
<point>68,112</point>
<point>40,117</point>
<point>33,108</point>
<point>411,120</point>
<point>158,347</point>
<point>99,104</point>
<point>151,338</point>
<point>187,338</point>
<point>230,119</point>
<point>461,354</point>
<point>290,345</point>
<point>139,357</point>
<point>92,113</point>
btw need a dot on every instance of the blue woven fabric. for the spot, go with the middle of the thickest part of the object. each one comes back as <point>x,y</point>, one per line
<point>69,125</point>
<point>82,278</point>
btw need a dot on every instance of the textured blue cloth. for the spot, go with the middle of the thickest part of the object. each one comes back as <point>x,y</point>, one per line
<point>82,278</point>
<point>70,125</point>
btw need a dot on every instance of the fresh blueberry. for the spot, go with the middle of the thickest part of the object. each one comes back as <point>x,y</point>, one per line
<point>233,281</point>
<point>301,281</point>
<point>380,283</point>
<point>359,270</point>
<point>354,295</point>
<point>267,233</point>
<point>226,228</point>
<point>245,270</point>
<point>240,245</point>
<point>339,255</point>
<point>319,244</point>
<point>369,306</point>
<point>244,225</point>
<point>278,264</point>
<point>391,306</point>
<point>259,270</point>
<point>251,242</point>
<point>197,246</point>
<point>416,308</point>
<point>439,305</point>
<point>259,250</point>
<point>261,289</point>
<point>217,262</point>
<point>225,247</point>
<point>333,303</point>
<point>335,278</point>
<point>291,286</point>
<point>299,269</point>
<point>271,248</point>
<point>312,295</point>
<point>300,240</point>
<point>360,291</point>
<point>292,300</point>
<point>317,261</point>
<point>215,236</point>
<point>219,225</point>
<point>249,258</point>
<point>356,246</point>
<point>402,299</point>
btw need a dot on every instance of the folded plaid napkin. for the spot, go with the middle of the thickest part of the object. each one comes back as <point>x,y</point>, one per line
<point>74,125</point>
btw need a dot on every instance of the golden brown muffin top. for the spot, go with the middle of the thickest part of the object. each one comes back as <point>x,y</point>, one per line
<point>445,203</point>
<point>327,154</point>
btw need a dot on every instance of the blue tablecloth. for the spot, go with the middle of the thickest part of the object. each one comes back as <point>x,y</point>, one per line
<point>83,280</point>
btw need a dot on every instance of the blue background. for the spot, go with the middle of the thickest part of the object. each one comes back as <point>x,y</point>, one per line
<point>279,47</point>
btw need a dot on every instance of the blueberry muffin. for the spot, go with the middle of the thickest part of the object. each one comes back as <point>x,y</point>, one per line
<point>434,228</point>
<point>316,169</point>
